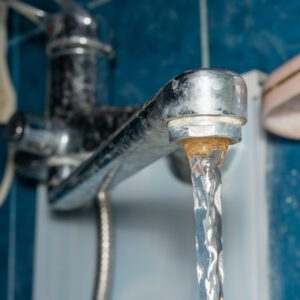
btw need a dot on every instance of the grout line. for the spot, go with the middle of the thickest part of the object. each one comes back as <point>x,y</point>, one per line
<point>12,244</point>
<point>204,36</point>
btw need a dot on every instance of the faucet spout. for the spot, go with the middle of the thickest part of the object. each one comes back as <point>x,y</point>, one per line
<point>194,104</point>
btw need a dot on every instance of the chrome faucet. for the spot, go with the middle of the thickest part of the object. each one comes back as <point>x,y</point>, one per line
<point>73,122</point>
<point>80,148</point>
<point>195,104</point>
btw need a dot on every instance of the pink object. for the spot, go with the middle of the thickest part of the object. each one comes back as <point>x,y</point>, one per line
<point>281,100</point>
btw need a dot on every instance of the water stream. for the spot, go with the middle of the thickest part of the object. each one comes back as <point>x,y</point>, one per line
<point>206,157</point>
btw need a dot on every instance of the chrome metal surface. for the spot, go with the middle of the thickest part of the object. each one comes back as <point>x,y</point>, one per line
<point>76,56</point>
<point>206,126</point>
<point>41,136</point>
<point>78,72</point>
<point>145,138</point>
<point>59,46</point>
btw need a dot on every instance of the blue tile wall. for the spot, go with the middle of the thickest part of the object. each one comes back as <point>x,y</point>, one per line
<point>154,41</point>
<point>263,34</point>
<point>284,205</point>
<point>253,34</point>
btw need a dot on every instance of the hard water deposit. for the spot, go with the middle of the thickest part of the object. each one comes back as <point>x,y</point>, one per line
<point>205,157</point>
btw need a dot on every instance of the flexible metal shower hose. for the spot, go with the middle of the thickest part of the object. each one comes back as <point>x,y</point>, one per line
<point>103,275</point>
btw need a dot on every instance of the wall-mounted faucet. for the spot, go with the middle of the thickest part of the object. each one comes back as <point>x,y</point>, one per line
<point>49,147</point>
<point>79,148</point>
<point>72,123</point>
<point>195,104</point>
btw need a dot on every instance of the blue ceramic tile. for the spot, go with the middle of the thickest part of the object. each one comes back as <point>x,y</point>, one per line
<point>250,34</point>
<point>25,229</point>
<point>32,76</point>
<point>154,41</point>
<point>284,215</point>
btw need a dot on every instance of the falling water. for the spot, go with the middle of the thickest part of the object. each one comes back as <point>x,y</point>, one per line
<point>206,157</point>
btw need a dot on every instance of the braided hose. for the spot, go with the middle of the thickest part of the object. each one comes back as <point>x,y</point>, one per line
<point>103,277</point>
